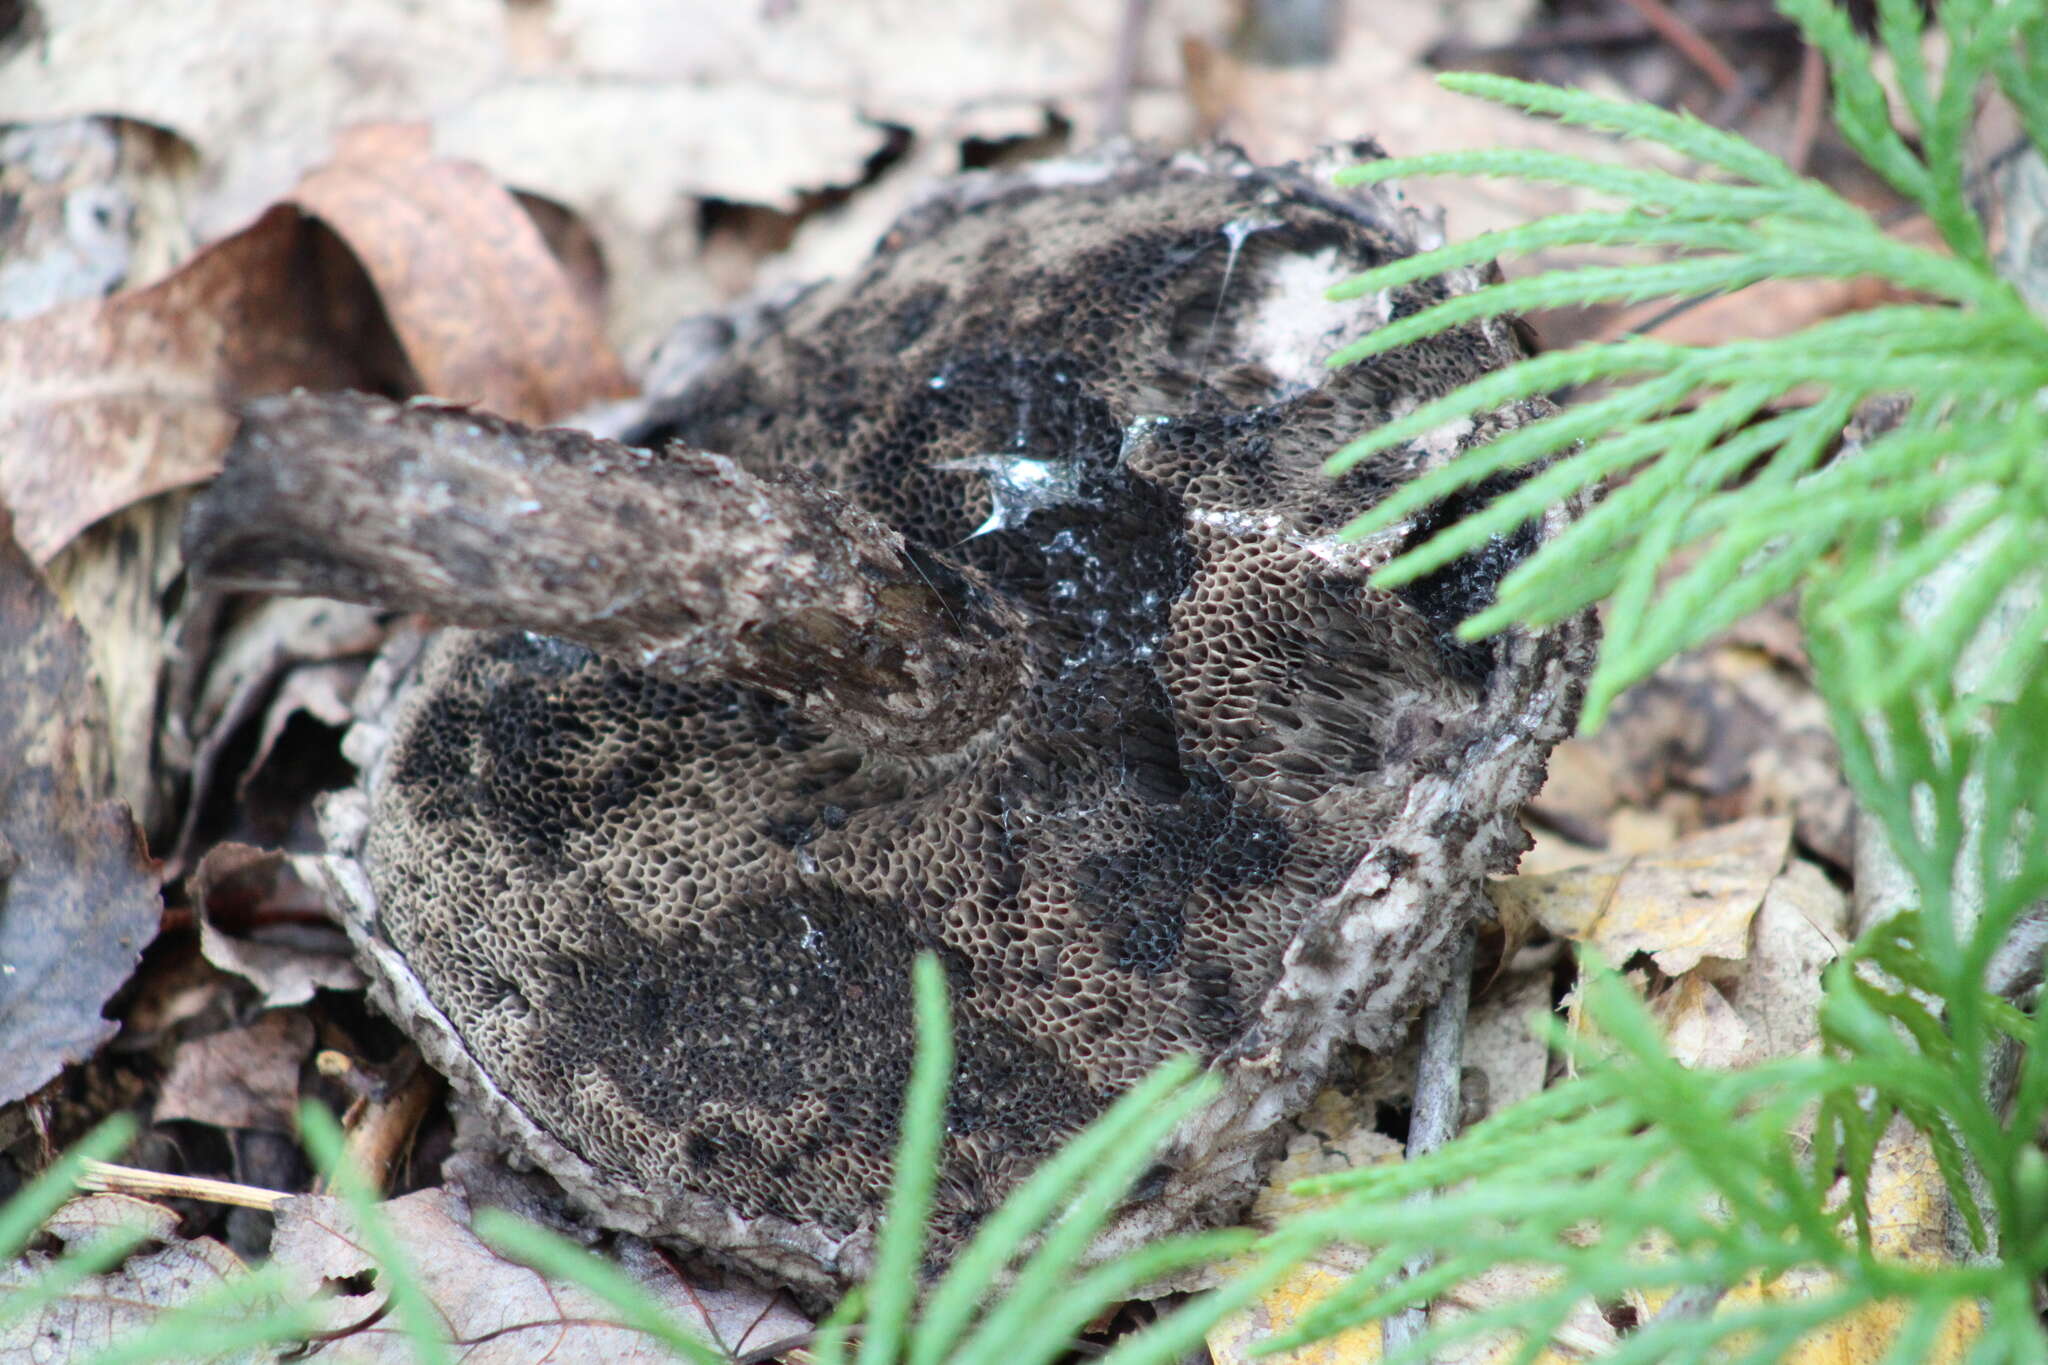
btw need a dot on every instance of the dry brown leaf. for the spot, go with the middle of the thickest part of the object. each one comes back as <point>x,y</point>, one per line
<point>497,1311</point>
<point>78,891</point>
<point>106,402</point>
<point>485,313</point>
<point>168,1273</point>
<point>1773,308</point>
<point>262,918</point>
<point>240,1077</point>
<point>264,646</point>
<point>1693,901</point>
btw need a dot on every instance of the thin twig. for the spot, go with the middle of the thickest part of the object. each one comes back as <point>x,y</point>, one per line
<point>106,1177</point>
<point>1689,43</point>
<point>1439,1100</point>
<point>1123,69</point>
<point>1813,93</point>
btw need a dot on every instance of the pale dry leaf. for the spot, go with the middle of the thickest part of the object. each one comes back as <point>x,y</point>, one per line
<point>1701,1028</point>
<point>1337,1134</point>
<point>824,96</point>
<point>1692,901</point>
<point>1633,830</point>
<point>78,891</point>
<point>1585,1333</point>
<point>117,579</point>
<point>106,402</point>
<point>94,205</point>
<point>319,691</point>
<point>1628,830</point>
<point>497,1311</point>
<point>485,312</point>
<point>257,87</point>
<point>1801,927</point>
<point>1377,85</point>
<point>240,1077</point>
<point>592,144</point>
<point>1502,1042</point>
<point>262,917</point>
<point>895,61</point>
<point>166,1273</point>
<point>268,639</point>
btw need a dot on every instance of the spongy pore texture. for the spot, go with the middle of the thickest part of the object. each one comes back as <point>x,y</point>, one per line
<point>662,933</point>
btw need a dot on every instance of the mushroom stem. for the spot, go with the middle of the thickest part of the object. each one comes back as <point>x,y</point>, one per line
<point>680,562</point>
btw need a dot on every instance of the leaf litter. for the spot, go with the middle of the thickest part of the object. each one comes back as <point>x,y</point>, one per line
<point>387,223</point>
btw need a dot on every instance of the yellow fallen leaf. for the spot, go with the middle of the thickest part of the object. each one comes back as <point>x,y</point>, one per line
<point>1908,1217</point>
<point>1693,901</point>
<point>1282,1307</point>
<point>1337,1136</point>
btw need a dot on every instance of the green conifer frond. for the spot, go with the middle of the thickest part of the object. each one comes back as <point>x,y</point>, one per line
<point>1755,498</point>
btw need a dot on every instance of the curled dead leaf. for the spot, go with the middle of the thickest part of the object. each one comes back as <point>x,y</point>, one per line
<point>263,918</point>
<point>497,1309</point>
<point>485,312</point>
<point>166,1273</point>
<point>78,891</point>
<point>106,402</point>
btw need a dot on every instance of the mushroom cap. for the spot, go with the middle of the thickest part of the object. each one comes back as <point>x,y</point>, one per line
<point>659,933</point>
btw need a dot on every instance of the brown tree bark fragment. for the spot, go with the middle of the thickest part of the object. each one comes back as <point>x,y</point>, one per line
<point>680,562</point>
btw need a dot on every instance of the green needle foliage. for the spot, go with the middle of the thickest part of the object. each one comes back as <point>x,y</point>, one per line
<point>1920,553</point>
<point>1730,454</point>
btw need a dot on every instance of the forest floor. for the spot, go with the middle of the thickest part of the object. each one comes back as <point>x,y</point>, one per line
<point>204,203</point>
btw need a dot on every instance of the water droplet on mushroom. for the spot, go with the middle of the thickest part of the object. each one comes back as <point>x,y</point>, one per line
<point>1019,485</point>
<point>937,381</point>
<point>807,863</point>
